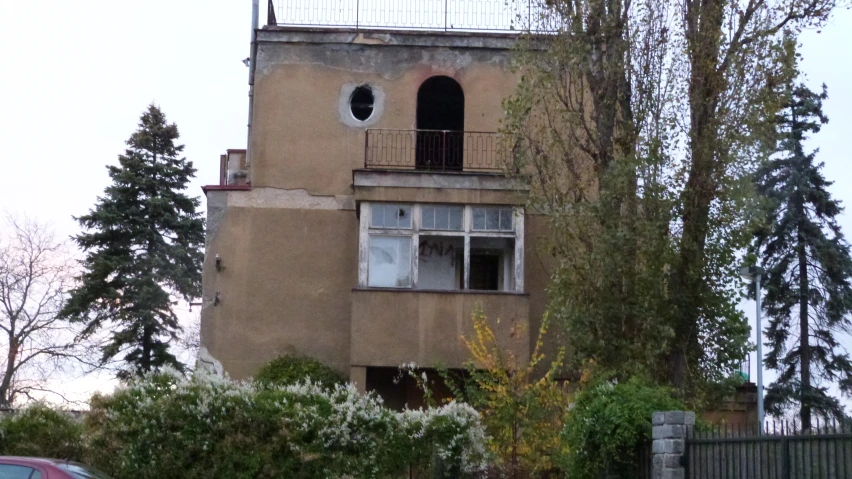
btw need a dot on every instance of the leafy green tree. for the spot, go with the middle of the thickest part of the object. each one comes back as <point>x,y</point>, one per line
<point>637,127</point>
<point>143,249</point>
<point>808,269</point>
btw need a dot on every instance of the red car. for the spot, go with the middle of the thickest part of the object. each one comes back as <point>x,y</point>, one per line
<point>38,468</point>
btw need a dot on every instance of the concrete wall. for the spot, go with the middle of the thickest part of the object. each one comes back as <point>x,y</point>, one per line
<point>303,133</point>
<point>392,327</point>
<point>285,284</point>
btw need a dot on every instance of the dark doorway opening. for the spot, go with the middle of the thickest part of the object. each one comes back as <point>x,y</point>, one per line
<point>440,125</point>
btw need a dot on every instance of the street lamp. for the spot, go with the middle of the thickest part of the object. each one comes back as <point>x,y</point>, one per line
<point>754,273</point>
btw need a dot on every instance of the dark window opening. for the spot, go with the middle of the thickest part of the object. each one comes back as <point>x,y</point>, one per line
<point>484,271</point>
<point>399,390</point>
<point>491,264</point>
<point>440,110</point>
<point>361,102</point>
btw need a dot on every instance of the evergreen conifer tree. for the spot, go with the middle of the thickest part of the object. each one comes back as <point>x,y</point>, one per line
<point>808,268</point>
<point>143,250</point>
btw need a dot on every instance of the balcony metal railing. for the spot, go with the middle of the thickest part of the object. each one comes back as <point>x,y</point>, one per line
<point>434,150</point>
<point>443,15</point>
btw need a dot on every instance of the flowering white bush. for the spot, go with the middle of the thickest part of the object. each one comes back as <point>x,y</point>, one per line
<point>168,426</point>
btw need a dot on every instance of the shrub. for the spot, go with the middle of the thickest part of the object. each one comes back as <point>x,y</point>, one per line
<point>41,431</point>
<point>167,426</point>
<point>522,409</point>
<point>607,424</point>
<point>288,369</point>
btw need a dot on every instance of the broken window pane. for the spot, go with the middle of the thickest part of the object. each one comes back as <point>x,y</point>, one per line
<point>446,218</point>
<point>390,216</point>
<point>491,264</point>
<point>440,262</point>
<point>492,219</point>
<point>390,261</point>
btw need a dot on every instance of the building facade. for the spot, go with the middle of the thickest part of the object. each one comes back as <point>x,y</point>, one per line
<point>371,214</point>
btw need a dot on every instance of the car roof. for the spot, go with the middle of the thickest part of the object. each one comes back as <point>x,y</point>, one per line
<point>32,461</point>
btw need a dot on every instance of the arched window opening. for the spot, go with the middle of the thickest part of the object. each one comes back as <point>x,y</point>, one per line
<point>440,125</point>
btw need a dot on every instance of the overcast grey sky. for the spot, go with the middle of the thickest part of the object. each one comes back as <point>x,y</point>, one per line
<point>75,76</point>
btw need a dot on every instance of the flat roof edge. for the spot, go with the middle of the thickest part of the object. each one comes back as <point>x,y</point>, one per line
<point>391,37</point>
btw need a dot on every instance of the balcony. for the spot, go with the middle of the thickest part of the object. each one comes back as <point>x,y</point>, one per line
<point>392,326</point>
<point>435,150</point>
<point>432,15</point>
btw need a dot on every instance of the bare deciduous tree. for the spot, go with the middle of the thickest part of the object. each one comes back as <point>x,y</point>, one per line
<point>35,272</point>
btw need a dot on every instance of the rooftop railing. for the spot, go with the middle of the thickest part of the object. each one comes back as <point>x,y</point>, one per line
<point>440,15</point>
<point>434,150</point>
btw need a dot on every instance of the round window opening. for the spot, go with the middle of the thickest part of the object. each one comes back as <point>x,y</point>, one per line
<point>361,102</point>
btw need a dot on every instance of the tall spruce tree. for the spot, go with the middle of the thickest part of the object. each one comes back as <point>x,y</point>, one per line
<point>143,250</point>
<point>808,268</point>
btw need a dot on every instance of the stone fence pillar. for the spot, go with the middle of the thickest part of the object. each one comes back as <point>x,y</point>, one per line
<point>669,436</point>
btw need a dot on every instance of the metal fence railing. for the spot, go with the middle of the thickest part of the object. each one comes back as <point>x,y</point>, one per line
<point>444,15</point>
<point>781,452</point>
<point>436,150</point>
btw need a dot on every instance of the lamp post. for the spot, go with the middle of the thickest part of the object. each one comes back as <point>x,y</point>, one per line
<point>754,273</point>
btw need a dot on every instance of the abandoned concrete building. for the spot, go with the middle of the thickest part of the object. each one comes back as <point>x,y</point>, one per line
<point>370,213</point>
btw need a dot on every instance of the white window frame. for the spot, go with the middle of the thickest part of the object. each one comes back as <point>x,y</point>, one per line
<point>366,231</point>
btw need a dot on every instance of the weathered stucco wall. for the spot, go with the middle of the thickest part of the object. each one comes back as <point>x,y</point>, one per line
<point>392,327</point>
<point>285,283</point>
<point>302,137</point>
<point>289,245</point>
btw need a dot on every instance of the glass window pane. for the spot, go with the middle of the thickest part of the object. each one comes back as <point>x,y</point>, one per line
<point>377,213</point>
<point>506,219</point>
<point>427,217</point>
<point>456,214</point>
<point>390,261</point>
<point>442,218</point>
<point>403,214</point>
<point>15,472</point>
<point>391,216</point>
<point>441,262</point>
<point>492,219</point>
<point>479,218</point>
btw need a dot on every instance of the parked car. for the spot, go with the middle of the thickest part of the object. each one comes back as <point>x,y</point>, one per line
<point>40,468</point>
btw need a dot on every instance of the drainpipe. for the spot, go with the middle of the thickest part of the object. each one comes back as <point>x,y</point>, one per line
<point>255,8</point>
